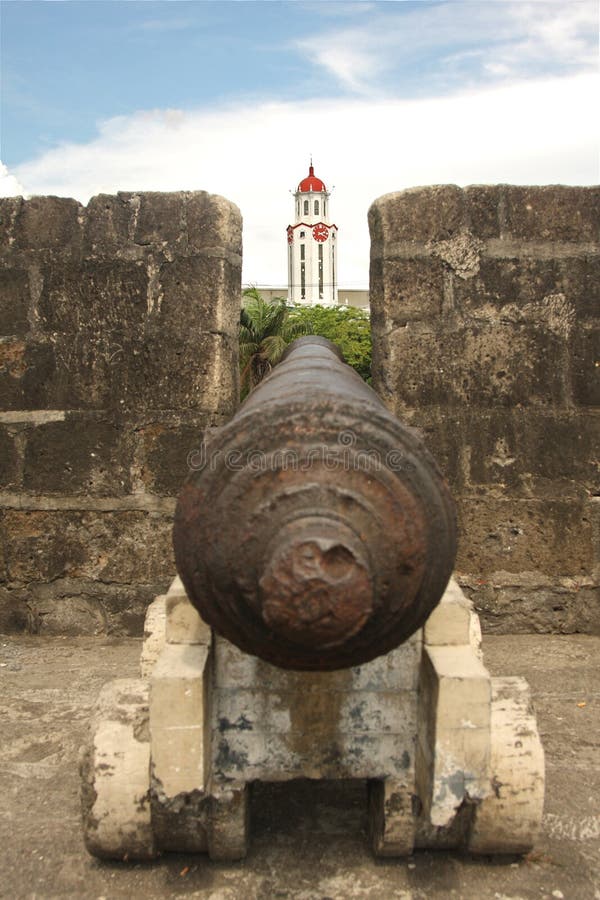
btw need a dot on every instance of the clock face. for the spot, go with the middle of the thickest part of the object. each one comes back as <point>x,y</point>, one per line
<point>320,232</point>
<point>290,234</point>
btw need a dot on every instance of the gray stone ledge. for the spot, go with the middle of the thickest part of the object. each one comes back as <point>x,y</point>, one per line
<point>32,416</point>
<point>164,506</point>
<point>497,248</point>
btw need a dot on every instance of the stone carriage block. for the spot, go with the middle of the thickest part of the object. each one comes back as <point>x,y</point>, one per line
<point>433,750</point>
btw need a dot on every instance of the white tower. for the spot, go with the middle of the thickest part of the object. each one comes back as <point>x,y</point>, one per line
<point>312,250</point>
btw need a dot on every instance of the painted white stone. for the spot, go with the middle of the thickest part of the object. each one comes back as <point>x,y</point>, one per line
<point>419,720</point>
<point>450,622</point>
<point>397,670</point>
<point>454,731</point>
<point>116,774</point>
<point>179,719</point>
<point>176,587</point>
<point>183,622</point>
<point>509,819</point>
<point>154,635</point>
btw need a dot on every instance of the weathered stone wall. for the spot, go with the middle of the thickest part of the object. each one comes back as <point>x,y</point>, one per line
<point>118,346</point>
<point>486,312</point>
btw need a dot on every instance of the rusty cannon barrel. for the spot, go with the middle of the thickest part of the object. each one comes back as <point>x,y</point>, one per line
<point>315,531</point>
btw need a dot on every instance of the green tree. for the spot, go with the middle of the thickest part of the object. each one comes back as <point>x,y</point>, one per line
<point>265,331</point>
<point>346,326</point>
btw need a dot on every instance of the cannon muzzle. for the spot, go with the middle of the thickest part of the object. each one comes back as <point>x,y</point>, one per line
<point>316,531</point>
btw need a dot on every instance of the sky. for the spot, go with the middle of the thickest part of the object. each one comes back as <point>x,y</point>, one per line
<point>234,97</point>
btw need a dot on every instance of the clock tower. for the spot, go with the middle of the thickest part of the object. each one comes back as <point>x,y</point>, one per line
<point>312,246</point>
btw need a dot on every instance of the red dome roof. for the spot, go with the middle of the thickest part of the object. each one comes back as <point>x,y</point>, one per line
<point>311,182</point>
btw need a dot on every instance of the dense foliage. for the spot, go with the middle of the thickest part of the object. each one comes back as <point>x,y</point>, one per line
<point>266,328</point>
<point>346,326</point>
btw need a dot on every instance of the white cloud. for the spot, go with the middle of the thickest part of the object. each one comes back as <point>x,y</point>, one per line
<point>535,132</point>
<point>512,39</point>
<point>9,185</point>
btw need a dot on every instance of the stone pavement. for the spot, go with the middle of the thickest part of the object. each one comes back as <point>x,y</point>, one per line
<point>308,839</point>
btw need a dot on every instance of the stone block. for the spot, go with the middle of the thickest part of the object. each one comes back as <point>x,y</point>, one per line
<point>197,374</point>
<point>578,278</point>
<point>391,819</point>
<point>27,374</point>
<point>411,290</point>
<point>180,721</point>
<point>183,622</point>
<point>416,214</point>
<point>15,614</point>
<point>115,771</point>
<point>154,635</point>
<point>49,223</point>
<point>477,365</point>
<point>176,586</point>
<point>213,222</point>
<point>520,535</point>
<point>10,459</point>
<point>552,213</point>
<point>186,222</point>
<point>315,715</point>
<point>10,208</point>
<point>532,452</point>
<point>585,365</point>
<point>453,744</point>
<point>15,301</point>
<point>80,606</point>
<point>69,616</point>
<point>523,452</point>
<point>397,670</point>
<point>42,545</point>
<point>266,756</point>
<point>481,209</point>
<point>508,820</point>
<point>96,301</point>
<point>229,822</point>
<point>109,224</point>
<point>80,455</point>
<point>197,293</point>
<point>593,516</point>
<point>532,601</point>
<point>510,289</point>
<point>450,622</point>
<point>160,219</point>
<point>166,450</point>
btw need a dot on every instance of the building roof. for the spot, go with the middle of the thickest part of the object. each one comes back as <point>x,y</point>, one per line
<point>311,182</point>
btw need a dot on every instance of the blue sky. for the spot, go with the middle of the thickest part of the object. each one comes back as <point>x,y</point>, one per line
<point>233,97</point>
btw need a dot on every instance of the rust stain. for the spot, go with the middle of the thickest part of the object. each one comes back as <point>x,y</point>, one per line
<point>12,358</point>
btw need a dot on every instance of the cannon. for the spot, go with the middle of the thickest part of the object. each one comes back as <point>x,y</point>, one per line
<point>314,631</point>
<point>317,533</point>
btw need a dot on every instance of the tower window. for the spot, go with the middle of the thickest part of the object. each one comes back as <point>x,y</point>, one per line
<point>303,281</point>
<point>333,269</point>
<point>302,234</point>
<point>302,251</point>
<point>306,207</point>
<point>316,207</point>
<point>320,271</point>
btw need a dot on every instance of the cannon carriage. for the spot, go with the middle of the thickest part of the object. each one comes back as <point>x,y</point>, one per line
<point>314,631</point>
